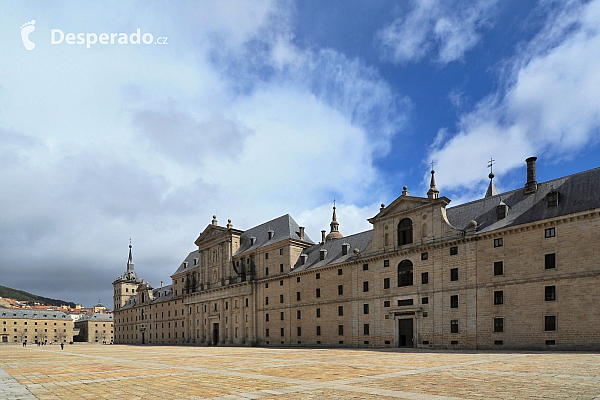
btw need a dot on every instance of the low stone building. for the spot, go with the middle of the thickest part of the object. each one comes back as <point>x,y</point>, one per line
<point>95,328</point>
<point>511,270</point>
<point>34,326</point>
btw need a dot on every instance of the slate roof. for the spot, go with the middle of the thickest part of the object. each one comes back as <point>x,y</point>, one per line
<point>190,262</point>
<point>96,317</point>
<point>334,251</point>
<point>160,294</point>
<point>34,314</point>
<point>284,227</point>
<point>577,192</point>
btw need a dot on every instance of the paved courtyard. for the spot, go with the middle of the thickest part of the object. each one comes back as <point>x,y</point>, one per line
<point>89,371</point>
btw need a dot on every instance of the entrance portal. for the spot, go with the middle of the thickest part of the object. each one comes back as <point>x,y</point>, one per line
<point>405,332</point>
<point>143,338</point>
<point>215,334</point>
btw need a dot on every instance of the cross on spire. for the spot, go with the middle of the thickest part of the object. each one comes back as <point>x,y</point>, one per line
<point>333,203</point>
<point>491,165</point>
<point>432,163</point>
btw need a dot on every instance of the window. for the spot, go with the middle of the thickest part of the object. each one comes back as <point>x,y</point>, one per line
<point>365,267</point>
<point>365,308</point>
<point>386,263</point>
<point>550,323</point>
<point>298,314</point>
<point>498,325</point>
<point>281,282</point>
<point>246,302</point>
<point>267,332</point>
<point>424,278</point>
<point>298,279</point>
<point>340,289</point>
<point>322,254</point>
<point>454,301</point>
<point>552,199</point>
<point>499,242</point>
<point>366,329</point>
<point>340,329</point>
<point>281,298</point>
<point>550,342</point>
<point>266,302</point>
<point>498,268</point>
<point>318,330</point>
<point>405,273</point>
<point>386,283</point>
<point>405,232</point>
<point>340,271</point>
<point>424,256</point>
<point>365,286</point>
<point>550,261</point>
<point>425,300</point>
<point>498,297</point>
<point>266,270</point>
<point>386,303</point>
<point>453,250</point>
<point>318,313</point>
<point>281,316</point>
<point>318,276</point>
<point>454,326</point>
<point>405,302</point>
<point>280,252</point>
<point>550,293</point>
<point>501,211</point>
<point>299,331</point>
<point>340,310</point>
<point>280,267</point>
<point>550,232</point>
<point>318,292</point>
<point>281,332</point>
<point>454,274</point>
<point>267,317</point>
<point>297,296</point>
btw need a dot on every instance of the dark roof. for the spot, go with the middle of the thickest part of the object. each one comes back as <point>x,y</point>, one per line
<point>96,317</point>
<point>577,193</point>
<point>160,294</point>
<point>33,314</point>
<point>334,251</point>
<point>189,263</point>
<point>283,228</point>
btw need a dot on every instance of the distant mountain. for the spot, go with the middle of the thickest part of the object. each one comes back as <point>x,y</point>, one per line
<point>25,296</point>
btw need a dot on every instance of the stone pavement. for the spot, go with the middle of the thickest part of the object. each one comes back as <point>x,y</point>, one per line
<point>91,371</point>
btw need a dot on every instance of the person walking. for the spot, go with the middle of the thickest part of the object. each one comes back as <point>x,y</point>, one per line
<point>62,346</point>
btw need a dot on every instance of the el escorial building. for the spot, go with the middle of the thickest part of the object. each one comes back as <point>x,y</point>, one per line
<point>511,270</point>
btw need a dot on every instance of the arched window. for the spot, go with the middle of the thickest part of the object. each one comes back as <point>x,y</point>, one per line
<point>405,232</point>
<point>405,273</point>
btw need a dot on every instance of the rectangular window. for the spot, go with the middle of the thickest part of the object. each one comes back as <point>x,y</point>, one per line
<point>266,303</point>
<point>281,298</point>
<point>386,263</point>
<point>281,282</point>
<point>267,317</point>
<point>366,329</point>
<point>340,271</point>
<point>281,332</point>
<point>453,250</point>
<point>299,331</point>
<point>454,274</point>
<point>266,270</point>
<point>550,261</point>
<point>318,290</point>
<point>498,325</point>
<point>298,279</point>
<point>281,315</point>
<point>550,232</point>
<point>365,286</point>
<point>424,278</point>
<point>298,314</point>
<point>498,242</point>
<point>405,302</point>
<point>318,313</point>
<point>386,303</point>
<point>425,300</point>
<point>266,256</point>
<point>365,308</point>
<point>340,310</point>
<point>340,289</point>
<point>550,293</point>
<point>318,330</point>
<point>550,323</point>
<point>454,326</point>
<point>280,252</point>
<point>297,296</point>
<point>246,302</point>
<point>266,332</point>
<point>318,276</point>
<point>498,268</point>
<point>280,267</point>
<point>498,297</point>
<point>454,301</point>
<point>386,283</point>
<point>424,256</point>
<point>365,267</point>
<point>340,329</point>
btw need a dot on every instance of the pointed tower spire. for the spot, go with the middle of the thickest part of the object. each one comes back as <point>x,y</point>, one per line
<point>491,191</point>
<point>334,233</point>
<point>433,192</point>
<point>130,273</point>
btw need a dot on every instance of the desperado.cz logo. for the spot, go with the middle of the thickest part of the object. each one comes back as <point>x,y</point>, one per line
<point>57,36</point>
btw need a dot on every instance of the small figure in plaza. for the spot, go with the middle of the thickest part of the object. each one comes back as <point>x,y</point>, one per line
<point>62,346</point>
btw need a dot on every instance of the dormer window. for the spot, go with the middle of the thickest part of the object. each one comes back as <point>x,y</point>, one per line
<point>345,248</point>
<point>501,211</point>
<point>185,264</point>
<point>195,261</point>
<point>271,234</point>
<point>552,199</point>
<point>303,258</point>
<point>322,254</point>
<point>252,240</point>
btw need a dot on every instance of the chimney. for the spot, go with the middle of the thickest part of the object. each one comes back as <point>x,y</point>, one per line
<point>301,228</point>
<point>323,236</point>
<point>161,284</point>
<point>531,185</point>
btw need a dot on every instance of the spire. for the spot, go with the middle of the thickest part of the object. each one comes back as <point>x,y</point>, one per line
<point>334,233</point>
<point>433,192</point>
<point>491,191</point>
<point>130,273</point>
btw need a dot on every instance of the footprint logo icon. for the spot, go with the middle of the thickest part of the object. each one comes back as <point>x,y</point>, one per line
<point>26,29</point>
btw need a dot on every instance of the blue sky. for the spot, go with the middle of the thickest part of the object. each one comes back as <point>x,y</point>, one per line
<point>255,109</point>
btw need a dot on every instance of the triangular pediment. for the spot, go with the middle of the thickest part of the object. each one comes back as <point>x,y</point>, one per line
<point>405,204</point>
<point>209,232</point>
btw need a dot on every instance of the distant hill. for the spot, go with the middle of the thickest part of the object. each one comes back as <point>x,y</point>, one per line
<point>25,296</point>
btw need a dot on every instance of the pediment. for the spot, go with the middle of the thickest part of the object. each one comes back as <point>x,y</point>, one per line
<point>405,204</point>
<point>210,232</point>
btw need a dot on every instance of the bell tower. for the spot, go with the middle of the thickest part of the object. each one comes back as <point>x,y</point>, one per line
<point>125,285</point>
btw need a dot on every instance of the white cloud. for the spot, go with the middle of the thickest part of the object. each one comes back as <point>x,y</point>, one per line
<point>448,28</point>
<point>549,107</point>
